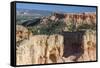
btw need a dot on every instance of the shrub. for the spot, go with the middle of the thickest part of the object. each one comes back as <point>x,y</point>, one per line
<point>86,26</point>
<point>52,27</point>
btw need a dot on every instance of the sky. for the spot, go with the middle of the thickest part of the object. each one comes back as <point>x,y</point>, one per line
<point>55,8</point>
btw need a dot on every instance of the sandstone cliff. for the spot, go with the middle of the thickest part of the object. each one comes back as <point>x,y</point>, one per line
<point>40,49</point>
<point>79,46</point>
<point>56,48</point>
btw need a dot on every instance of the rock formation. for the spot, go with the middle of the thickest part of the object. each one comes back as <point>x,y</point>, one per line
<point>40,49</point>
<point>68,47</point>
<point>22,33</point>
<point>79,46</point>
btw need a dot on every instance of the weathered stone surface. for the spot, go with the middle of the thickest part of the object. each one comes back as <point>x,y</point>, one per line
<point>80,46</point>
<point>55,47</point>
<point>89,46</point>
<point>39,50</point>
<point>44,49</point>
<point>22,33</point>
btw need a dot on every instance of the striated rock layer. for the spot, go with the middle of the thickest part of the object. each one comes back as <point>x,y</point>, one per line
<point>40,49</point>
<point>44,49</point>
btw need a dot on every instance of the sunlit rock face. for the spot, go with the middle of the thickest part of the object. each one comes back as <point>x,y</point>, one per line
<point>22,33</point>
<point>44,49</point>
<point>40,49</point>
<point>89,46</point>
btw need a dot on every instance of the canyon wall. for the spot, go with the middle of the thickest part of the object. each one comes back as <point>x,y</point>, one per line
<point>79,46</point>
<point>88,17</point>
<point>40,49</point>
<point>57,48</point>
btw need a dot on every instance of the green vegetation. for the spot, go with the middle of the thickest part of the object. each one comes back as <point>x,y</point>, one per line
<point>52,27</point>
<point>86,27</point>
<point>20,19</point>
<point>70,26</point>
